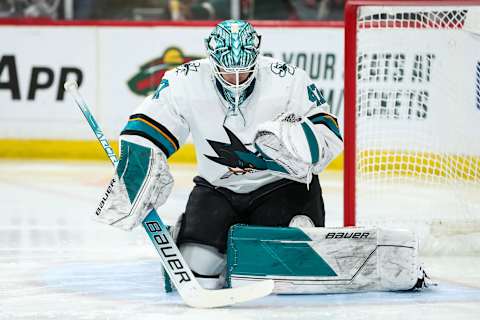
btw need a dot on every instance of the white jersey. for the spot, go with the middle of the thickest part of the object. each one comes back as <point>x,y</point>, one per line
<point>188,101</point>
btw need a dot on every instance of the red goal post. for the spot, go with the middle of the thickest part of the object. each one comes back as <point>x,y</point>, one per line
<point>362,81</point>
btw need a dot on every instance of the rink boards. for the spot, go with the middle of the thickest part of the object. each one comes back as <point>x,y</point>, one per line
<point>117,65</point>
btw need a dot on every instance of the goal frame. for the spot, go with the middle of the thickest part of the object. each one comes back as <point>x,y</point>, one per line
<point>350,88</point>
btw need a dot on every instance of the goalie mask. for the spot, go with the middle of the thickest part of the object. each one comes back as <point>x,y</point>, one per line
<point>233,48</point>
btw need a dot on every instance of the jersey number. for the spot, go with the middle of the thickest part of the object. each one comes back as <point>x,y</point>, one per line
<point>315,95</point>
<point>163,84</point>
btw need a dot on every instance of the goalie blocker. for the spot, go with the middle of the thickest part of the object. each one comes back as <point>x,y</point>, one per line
<point>324,260</point>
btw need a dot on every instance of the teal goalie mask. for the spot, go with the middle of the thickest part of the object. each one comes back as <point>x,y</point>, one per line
<point>233,48</point>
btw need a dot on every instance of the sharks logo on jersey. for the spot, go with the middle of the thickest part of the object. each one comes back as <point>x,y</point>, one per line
<point>188,67</point>
<point>193,102</point>
<point>282,69</point>
<point>238,158</point>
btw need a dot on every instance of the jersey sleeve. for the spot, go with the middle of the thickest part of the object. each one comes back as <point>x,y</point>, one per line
<point>158,121</point>
<point>307,100</point>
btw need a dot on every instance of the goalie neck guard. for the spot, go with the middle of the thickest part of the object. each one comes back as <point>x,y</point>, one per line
<point>233,48</point>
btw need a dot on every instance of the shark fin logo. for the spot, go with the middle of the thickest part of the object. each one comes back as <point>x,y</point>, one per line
<point>150,75</point>
<point>238,158</point>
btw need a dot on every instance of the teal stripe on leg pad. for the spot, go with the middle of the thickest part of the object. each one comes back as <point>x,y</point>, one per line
<point>273,251</point>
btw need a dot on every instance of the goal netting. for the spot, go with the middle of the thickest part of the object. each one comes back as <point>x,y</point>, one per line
<point>417,122</point>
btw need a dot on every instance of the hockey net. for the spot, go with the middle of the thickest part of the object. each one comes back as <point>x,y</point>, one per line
<point>412,125</point>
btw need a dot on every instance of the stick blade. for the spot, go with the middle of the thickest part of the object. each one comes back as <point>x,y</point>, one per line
<point>225,297</point>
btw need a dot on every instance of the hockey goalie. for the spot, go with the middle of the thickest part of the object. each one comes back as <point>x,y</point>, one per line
<point>262,132</point>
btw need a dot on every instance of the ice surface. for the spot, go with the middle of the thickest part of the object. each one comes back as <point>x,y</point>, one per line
<point>55,263</point>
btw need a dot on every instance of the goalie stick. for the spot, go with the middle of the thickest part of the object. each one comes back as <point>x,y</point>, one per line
<point>181,275</point>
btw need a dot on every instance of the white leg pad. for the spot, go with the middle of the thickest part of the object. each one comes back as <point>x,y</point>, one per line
<point>205,261</point>
<point>325,260</point>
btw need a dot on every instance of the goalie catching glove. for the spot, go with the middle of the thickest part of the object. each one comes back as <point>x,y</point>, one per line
<point>299,146</point>
<point>142,182</point>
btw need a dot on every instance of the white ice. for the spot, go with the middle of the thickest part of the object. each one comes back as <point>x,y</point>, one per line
<point>55,263</point>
